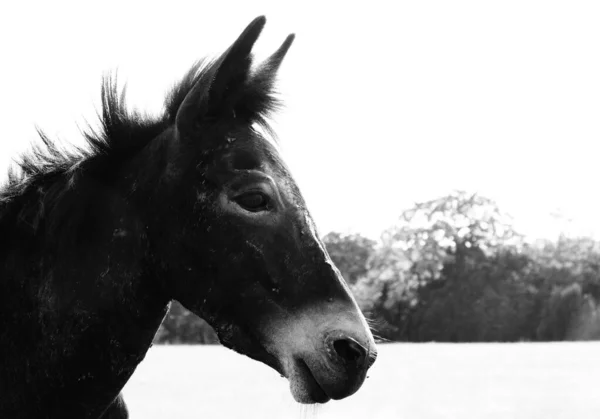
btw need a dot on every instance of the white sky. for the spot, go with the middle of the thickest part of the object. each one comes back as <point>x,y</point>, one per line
<point>388,103</point>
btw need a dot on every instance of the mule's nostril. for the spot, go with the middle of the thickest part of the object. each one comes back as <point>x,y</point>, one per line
<point>350,351</point>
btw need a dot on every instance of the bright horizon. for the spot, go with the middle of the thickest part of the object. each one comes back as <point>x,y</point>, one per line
<point>385,103</point>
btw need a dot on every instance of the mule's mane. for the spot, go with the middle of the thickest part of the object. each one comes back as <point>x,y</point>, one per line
<point>124,132</point>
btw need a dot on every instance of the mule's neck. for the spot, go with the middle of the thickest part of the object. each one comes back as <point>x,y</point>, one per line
<point>76,273</point>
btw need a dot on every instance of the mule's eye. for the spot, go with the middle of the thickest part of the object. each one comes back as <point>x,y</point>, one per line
<point>253,201</point>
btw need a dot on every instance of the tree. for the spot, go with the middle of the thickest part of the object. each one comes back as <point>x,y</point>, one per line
<point>568,260</point>
<point>561,314</point>
<point>489,300</point>
<point>450,227</point>
<point>454,262</point>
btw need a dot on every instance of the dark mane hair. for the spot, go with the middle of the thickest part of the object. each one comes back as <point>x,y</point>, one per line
<point>123,132</point>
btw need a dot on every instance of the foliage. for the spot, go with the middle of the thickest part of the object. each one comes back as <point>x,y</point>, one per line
<point>453,269</point>
<point>438,263</point>
<point>433,231</point>
<point>182,326</point>
<point>485,300</point>
<point>560,313</point>
<point>569,260</point>
<point>586,326</point>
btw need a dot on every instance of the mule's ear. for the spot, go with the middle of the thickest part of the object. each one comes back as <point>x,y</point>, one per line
<point>270,66</point>
<point>258,96</point>
<point>222,78</point>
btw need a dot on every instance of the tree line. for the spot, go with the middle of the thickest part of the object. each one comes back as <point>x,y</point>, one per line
<point>453,269</point>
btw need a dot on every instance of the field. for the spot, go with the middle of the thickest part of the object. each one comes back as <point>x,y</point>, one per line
<point>408,381</point>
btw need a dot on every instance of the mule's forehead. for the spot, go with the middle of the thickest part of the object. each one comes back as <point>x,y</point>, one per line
<point>250,151</point>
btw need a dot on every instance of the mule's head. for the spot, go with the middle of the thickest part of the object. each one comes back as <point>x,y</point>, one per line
<point>240,244</point>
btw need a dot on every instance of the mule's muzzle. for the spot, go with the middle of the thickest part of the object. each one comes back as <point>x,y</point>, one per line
<point>336,370</point>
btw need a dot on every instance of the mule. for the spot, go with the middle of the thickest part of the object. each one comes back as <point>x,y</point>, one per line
<point>195,205</point>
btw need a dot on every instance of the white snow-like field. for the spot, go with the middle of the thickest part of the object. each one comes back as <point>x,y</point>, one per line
<point>421,381</point>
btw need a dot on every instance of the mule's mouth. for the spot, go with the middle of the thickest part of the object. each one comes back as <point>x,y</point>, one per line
<point>304,386</point>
